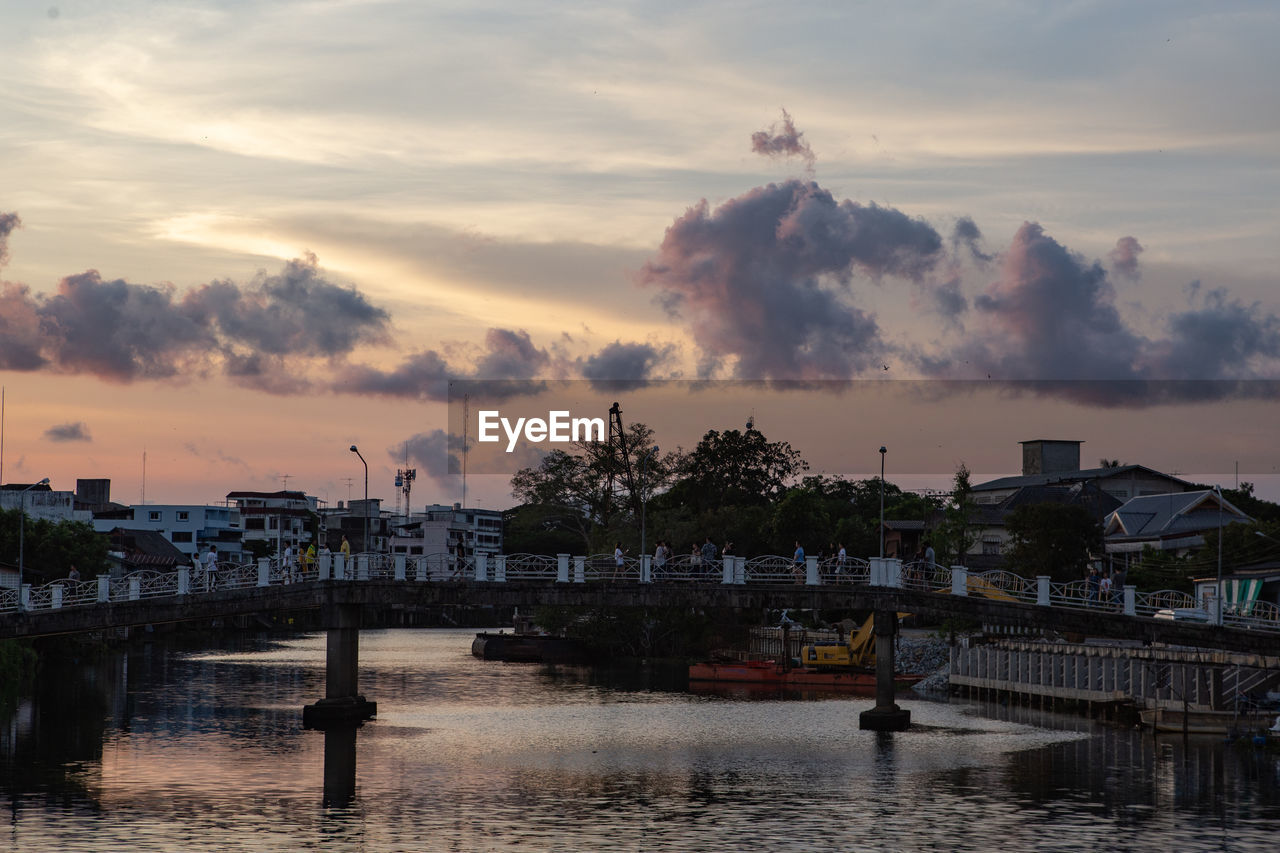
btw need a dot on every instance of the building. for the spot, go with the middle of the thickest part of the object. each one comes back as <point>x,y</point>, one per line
<point>276,520</point>
<point>42,502</point>
<point>191,528</point>
<point>1052,462</point>
<point>1173,522</point>
<point>440,527</point>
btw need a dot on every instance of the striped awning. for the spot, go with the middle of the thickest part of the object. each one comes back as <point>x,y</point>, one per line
<point>1239,595</point>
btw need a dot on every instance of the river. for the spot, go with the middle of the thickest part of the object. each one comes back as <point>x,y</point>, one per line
<point>164,749</point>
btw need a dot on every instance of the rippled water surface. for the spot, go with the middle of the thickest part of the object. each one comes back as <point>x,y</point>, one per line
<point>170,750</point>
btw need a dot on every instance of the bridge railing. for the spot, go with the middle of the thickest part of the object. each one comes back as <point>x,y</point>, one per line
<point>606,567</point>
<point>924,576</point>
<point>532,567</point>
<point>686,568</point>
<point>850,570</point>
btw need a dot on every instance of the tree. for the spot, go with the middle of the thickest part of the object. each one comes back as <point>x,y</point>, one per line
<point>537,529</point>
<point>49,548</point>
<point>587,486</point>
<point>801,517</point>
<point>1110,463</point>
<point>1051,539</point>
<point>734,468</point>
<point>957,533</point>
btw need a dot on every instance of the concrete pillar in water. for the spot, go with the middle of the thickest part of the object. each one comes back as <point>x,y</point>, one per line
<point>886,716</point>
<point>342,703</point>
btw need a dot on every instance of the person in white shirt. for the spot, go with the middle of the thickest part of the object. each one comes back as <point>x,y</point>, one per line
<point>211,567</point>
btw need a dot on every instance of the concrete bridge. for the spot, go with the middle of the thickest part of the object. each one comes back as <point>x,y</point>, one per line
<point>342,589</point>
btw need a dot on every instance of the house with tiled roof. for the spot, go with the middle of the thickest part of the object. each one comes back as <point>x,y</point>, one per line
<point>1176,521</point>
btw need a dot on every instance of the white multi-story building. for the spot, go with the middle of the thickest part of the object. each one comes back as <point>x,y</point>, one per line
<point>438,529</point>
<point>190,527</point>
<point>281,519</point>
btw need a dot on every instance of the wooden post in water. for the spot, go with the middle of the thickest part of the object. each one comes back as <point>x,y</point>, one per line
<point>342,703</point>
<point>886,716</point>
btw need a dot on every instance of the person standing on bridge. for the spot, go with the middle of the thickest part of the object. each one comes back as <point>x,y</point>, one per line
<point>211,568</point>
<point>842,559</point>
<point>709,555</point>
<point>797,561</point>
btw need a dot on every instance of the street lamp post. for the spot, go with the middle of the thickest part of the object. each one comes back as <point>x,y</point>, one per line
<point>22,524</point>
<point>365,543</point>
<point>644,461</point>
<point>883,451</point>
<point>1218,591</point>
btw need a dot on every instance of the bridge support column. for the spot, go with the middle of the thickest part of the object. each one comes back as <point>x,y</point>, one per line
<point>324,567</point>
<point>184,580</point>
<point>1042,590</point>
<point>727,569</point>
<point>342,703</point>
<point>562,568</point>
<point>398,561</point>
<point>264,571</point>
<point>886,716</point>
<point>55,600</point>
<point>646,568</point>
<point>104,587</point>
<point>1130,600</point>
<point>482,567</point>
<point>339,566</point>
<point>811,577</point>
<point>959,580</point>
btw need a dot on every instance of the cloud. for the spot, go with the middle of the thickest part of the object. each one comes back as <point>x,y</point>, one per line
<point>623,367</point>
<point>967,235</point>
<point>1124,258</point>
<point>8,222</point>
<point>123,332</point>
<point>785,141</point>
<point>1224,339</point>
<point>68,432</point>
<point>764,279</point>
<point>432,454</point>
<point>1050,315</point>
<point>947,299</point>
<point>505,368</point>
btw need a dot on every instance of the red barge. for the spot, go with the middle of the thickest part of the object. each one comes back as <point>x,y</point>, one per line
<point>776,674</point>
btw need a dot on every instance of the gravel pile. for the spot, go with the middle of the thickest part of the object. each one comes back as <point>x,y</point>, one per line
<point>925,655</point>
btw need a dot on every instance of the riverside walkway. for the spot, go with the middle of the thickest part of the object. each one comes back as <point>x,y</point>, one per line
<point>770,582</point>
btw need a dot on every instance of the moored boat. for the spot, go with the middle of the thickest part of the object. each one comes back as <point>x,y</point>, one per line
<point>1205,722</point>
<point>775,673</point>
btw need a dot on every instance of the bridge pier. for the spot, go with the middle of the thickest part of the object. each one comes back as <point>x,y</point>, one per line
<point>342,703</point>
<point>886,716</point>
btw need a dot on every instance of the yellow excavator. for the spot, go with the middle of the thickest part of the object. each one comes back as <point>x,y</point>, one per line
<point>859,650</point>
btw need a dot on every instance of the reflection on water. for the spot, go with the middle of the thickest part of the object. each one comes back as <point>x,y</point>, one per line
<point>166,750</point>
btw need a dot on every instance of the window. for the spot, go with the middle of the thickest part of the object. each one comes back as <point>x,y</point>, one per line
<point>154,515</point>
<point>990,546</point>
<point>180,536</point>
<point>253,524</point>
<point>183,516</point>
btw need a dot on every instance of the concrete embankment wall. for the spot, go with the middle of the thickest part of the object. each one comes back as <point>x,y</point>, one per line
<point>1148,677</point>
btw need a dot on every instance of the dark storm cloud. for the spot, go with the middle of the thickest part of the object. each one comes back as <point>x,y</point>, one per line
<point>620,366</point>
<point>967,235</point>
<point>8,222</point>
<point>1051,317</point>
<point>783,141</point>
<point>765,278</point>
<point>505,369</point>
<point>121,332</point>
<point>1124,258</point>
<point>68,432</point>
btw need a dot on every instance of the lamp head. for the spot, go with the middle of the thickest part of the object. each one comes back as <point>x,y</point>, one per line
<point>43,482</point>
<point>353,449</point>
<point>883,450</point>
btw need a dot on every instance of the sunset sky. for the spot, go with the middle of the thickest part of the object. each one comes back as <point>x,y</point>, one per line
<point>239,237</point>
